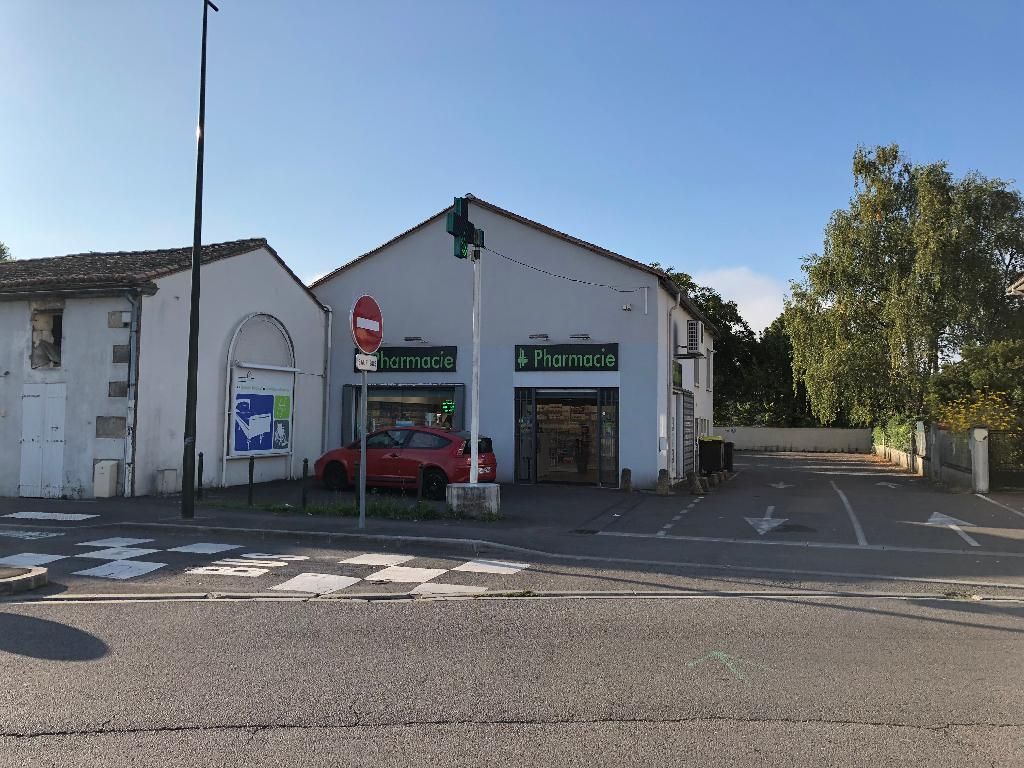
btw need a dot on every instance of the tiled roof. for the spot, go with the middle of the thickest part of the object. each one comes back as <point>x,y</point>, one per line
<point>118,269</point>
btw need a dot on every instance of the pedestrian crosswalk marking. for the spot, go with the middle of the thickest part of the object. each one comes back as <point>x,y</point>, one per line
<point>316,583</point>
<point>401,573</point>
<point>491,566</point>
<point>116,553</point>
<point>29,559</point>
<point>66,516</point>
<point>29,535</point>
<point>377,559</point>
<point>117,541</point>
<point>205,548</point>
<point>121,569</point>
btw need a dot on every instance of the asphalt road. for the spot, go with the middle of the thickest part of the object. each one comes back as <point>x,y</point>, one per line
<point>515,681</point>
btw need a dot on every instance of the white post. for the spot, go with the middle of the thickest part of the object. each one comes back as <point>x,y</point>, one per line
<point>474,407</point>
<point>362,457</point>
<point>978,438</point>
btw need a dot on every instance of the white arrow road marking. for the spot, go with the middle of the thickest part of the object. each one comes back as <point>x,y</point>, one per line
<point>367,324</point>
<point>781,484</point>
<point>952,523</point>
<point>764,524</point>
<point>858,531</point>
<point>889,485</point>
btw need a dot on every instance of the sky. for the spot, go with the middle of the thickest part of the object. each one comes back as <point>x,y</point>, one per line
<point>715,137</point>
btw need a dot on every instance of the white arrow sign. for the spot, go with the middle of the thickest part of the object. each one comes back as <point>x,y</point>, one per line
<point>764,524</point>
<point>953,524</point>
<point>780,484</point>
<point>889,485</point>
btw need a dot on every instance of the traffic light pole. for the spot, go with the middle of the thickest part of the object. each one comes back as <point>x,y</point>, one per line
<point>474,408</point>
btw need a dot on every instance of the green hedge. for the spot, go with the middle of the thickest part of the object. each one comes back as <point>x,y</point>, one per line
<point>896,433</point>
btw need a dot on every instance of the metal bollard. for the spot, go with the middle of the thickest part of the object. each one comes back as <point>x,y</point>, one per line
<point>199,481</point>
<point>305,483</point>
<point>252,471</point>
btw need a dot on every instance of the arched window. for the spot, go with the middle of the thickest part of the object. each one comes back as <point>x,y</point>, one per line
<point>261,388</point>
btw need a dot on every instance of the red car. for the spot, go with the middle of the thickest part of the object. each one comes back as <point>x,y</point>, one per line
<point>393,458</point>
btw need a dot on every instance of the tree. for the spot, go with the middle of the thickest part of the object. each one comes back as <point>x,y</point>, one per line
<point>915,269</point>
<point>5,252</point>
<point>771,398</point>
<point>984,370</point>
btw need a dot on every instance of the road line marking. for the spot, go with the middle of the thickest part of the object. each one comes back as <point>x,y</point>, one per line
<point>999,504</point>
<point>667,526</point>
<point>677,518</point>
<point>811,545</point>
<point>963,535</point>
<point>861,540</point>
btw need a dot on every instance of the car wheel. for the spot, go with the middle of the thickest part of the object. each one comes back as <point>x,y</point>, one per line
<point>335,477</point>
<point>434,483</point>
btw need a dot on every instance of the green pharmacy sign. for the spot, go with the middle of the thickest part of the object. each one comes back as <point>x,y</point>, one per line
<point>567,357</point>
<point>416,359</point>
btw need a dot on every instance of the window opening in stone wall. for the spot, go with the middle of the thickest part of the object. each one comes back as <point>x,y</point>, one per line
<point>47,338</point>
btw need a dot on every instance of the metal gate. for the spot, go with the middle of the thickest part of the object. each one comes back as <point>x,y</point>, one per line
<point>1006,459</point>
<point>689,437</point>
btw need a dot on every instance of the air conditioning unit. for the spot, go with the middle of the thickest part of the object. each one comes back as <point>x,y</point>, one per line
<point>694,338</point>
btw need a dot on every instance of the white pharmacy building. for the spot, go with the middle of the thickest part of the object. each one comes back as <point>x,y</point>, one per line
<point>591,362</point>
<point>93,351</point>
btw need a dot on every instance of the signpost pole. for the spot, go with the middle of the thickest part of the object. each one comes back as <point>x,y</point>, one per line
<point>474,418</point>
<point>362,456</point>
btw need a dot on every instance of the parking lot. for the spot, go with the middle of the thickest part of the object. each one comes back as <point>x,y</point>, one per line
<point>839,513</point>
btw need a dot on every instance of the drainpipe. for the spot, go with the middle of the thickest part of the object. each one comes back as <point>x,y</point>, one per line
<point>133,390</point>
<point>670,426</point>
<point>326,418</point>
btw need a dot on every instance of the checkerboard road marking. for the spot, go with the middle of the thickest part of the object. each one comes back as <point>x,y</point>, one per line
<point>29,535</point>
<point>68,516</point>
<point>377,559</point>
<point>399,573</point>
<point>205,548</point>
<point>316,583</point>
<point>117,541</point>
<point>248,564</point>
<point>491,566</point>
<point>29,559</point>
<point>121,569</point>
<point>116,553</point>
<point>434,589</point>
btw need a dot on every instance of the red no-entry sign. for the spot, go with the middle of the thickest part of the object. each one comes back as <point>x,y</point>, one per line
<point>367,324</point>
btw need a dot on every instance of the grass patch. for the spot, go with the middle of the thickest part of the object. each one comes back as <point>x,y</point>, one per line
<point>520,593</point>
<point>953,595</point>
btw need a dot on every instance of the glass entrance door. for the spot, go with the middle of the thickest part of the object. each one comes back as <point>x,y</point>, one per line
<point>567,443</point>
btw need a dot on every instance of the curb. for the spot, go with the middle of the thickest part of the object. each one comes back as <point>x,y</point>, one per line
<point>481,546</point>
<point>32,578</point>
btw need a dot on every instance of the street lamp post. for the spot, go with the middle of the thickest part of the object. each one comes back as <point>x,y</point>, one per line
<point>188,460</point>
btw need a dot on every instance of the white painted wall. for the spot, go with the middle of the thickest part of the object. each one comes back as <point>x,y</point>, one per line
<point>811,439</point>
<point>86,369</point>
<point>425,291</point>
<point>232,289</point>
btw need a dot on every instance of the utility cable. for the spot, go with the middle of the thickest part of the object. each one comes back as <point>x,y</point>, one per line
<point>615,288</point>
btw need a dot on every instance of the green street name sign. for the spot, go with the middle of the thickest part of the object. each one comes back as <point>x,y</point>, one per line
<point>567,357</point>
<point>416,359</point>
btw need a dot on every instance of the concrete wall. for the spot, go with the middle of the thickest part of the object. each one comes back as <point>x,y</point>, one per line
<point>233,289</point>
<point>824,440</point>
<point>87,368</point>
<point>424,291</point>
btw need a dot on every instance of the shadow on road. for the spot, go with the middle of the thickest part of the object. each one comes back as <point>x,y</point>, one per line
<point>50,640</point>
